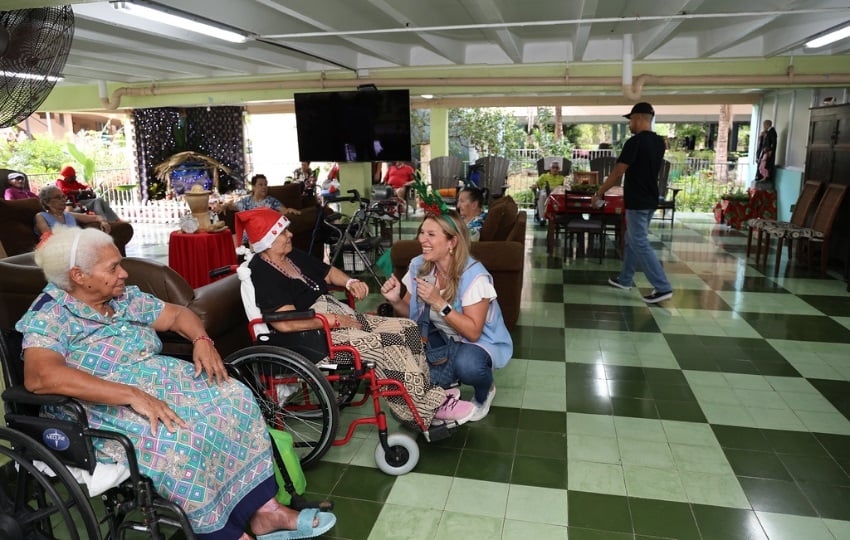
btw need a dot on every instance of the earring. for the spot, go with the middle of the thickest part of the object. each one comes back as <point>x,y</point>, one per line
<point>451,251</point>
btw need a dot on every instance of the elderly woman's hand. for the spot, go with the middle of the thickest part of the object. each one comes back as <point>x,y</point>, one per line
<point>155,411</point>
<point>206,358</point>
<point>357,288</point>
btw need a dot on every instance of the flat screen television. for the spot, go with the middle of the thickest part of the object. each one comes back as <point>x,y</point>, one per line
<point>354,126</point>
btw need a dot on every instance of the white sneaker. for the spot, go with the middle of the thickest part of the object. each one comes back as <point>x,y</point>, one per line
<point>482,409</point>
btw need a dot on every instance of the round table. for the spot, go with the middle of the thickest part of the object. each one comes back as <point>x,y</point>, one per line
<point>194,255</point>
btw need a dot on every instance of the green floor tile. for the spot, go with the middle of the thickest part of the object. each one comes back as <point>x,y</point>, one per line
<point>757,464</point>
<point>608,513</point>
<point>543,420</point>
<point>355,518</point>
<point>638,408</point>
<point>541,444</point>
<point>717,523</point>
<point>488,466</point>
<point>663,518</point>
<point>830,500</point>
<point>767,495</point>
<point>539,472</point>
<point>815,469</point>
<point>742,438</point>
<point>793,442</point>
<point>436,460</point>
<point>363,483</point>
<point>501,440</point>
<point>685,411</point>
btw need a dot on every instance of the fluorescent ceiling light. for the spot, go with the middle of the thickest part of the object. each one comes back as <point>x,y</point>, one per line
<point>178,21</point>
<point>428,96</point>
<point>30,76</point>
<point>831,37</point>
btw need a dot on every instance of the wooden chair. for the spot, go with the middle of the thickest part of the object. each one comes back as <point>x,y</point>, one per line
<point>820,230</point>
<point>603,165</point>
<point>666,194</point>
<point>446,174</point>
<point>577,227</point>
<point>545,163</point>
<point>799,218</point>
<point>494,176</point>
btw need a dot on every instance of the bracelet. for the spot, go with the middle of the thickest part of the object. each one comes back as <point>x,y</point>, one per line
<point>336,322</point>
<point>203,337</point>
<point>349,282</point>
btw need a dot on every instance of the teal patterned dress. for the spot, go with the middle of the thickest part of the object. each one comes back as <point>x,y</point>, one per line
<point>219,469</point>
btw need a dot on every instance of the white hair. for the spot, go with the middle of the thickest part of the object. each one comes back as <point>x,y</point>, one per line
<point>54,255</point>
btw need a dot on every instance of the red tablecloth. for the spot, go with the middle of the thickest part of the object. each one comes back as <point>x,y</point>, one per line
<point>194,255</point>
<point>761,204</point>
<point>561,201</point>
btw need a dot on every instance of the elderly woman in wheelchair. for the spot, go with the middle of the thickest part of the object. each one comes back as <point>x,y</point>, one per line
<point>198,435</point>
<point>289,280</point>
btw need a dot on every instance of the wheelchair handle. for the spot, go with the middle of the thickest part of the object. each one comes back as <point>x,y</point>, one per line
<point>355,197</point>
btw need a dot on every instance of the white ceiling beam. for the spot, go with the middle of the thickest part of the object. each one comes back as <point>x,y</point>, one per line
<point>647,42</point>
<point>447,48</point>
<point>586,10</point>
<point>488,11</point>
<point>387,52</point>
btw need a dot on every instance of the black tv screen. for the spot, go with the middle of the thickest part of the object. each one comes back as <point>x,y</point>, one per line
<point>363,125</point>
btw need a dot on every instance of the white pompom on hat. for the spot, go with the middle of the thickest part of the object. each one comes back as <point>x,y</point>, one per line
<point>262,225</point>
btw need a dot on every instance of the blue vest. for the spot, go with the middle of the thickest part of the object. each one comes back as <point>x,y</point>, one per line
<point>495,338</point>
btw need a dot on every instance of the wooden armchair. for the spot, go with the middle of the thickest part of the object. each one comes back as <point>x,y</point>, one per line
<point>799,218</point>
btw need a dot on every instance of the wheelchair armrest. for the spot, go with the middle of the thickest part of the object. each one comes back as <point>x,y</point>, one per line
<point>278,316</point>
<point>21,396</point>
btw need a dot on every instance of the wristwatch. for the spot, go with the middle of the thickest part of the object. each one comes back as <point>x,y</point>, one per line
<point>446,310</point>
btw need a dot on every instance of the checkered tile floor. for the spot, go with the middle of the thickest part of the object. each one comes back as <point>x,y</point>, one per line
<point>721,414</point>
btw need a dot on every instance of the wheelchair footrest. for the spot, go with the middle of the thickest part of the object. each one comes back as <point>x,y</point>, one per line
<point>439,432</point>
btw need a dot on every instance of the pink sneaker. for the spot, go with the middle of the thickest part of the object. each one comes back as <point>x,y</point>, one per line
<point>453,392</point>
<point>455,410</point>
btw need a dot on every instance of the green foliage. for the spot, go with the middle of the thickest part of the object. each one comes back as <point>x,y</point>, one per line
<point>420,126</point>
<point>82,159</point>
<point>491,132</point>
<point>524,197</point>
<point>41,154</point>
<point>90,151</point>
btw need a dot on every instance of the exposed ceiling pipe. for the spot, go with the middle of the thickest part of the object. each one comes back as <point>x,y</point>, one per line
<point>636,88</point>
<point>628,57</point>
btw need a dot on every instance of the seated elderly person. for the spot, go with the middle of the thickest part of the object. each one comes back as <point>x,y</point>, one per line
<point>81,196</point>
<point>553,178</point>
<point>451,296</point>
<point>53,201</point>
<point>470,201</point>
<point>198,435</point>
<point>259,198</point>
<point>286,279</point>
<point>16,190</point>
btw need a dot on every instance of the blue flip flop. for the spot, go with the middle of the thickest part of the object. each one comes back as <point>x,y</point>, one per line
<point>305,526</point>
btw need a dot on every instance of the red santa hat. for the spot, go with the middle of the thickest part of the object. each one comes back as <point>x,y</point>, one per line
<point>67,172</point>
<point>262,225</point>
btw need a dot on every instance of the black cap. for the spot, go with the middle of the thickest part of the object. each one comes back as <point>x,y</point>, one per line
<point>641,108</point>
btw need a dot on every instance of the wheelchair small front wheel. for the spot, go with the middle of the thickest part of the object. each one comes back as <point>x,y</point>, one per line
<point>401,456</point>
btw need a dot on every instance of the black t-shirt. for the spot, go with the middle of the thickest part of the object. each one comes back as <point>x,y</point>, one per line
<point>643,153</point>
<point>273,288</point>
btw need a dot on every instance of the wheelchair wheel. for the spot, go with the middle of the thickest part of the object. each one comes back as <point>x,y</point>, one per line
<point>401,457</point>
<point>293,395</point>
<point>32,504</point>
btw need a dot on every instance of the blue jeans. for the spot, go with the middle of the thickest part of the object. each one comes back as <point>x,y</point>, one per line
<point>453,361</point>
<point>638,252</point>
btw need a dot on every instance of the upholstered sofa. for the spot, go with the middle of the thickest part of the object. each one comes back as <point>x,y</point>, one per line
<point>18,236</point>
<point>303,225</point>
<point>501,250</point>
<point>218,304</point>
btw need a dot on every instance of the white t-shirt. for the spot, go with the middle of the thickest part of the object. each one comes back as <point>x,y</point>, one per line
<point>478,290</point>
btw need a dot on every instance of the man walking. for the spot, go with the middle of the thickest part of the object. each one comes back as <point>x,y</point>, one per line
<point>639,162</point>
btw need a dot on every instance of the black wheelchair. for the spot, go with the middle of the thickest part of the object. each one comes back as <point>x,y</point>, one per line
<point>40,497</point>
